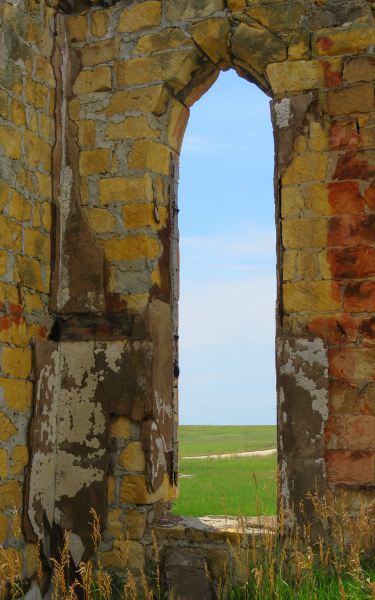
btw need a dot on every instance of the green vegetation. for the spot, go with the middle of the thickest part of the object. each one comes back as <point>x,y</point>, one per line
<point>220,486</point>
<point>196,440</point>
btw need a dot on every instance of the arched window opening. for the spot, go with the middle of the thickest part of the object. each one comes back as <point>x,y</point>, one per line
<point>227,302</point>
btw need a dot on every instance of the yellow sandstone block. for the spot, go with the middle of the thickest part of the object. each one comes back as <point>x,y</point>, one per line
<point>36,93</point>
<point>149,99</point>
<point>311,296</point>
<point>94,161</point>
<point>137,216</point>
<point>129,555</point>
<point>140,16</point>
<point>16,362</point>
<point>132,247</point>
<point>38,245</point>
<point>31,559</point>
<point>147,154</point>
<point>170,38</point>
<point>132,458</point>
<point>177,122</point>
<point>296,75</point>
<point>292,201</point>
<point>10,495</point>
<point>3,262</point>
<point>3,467</point>
<point>120,428</point>
<point>347,40</point>
<point>46,216</point>
<point>308,265</point>
<point>305,168</point>
<point>95,80</point>
<point>20,458</point>
<point>4,105</point>
<point>37,151</point>
<point>134,490</point>
<point>10,142</point>
<point>289,264</point>
<point>33,303</point>
<point>135,524</point>
<point>305,233</point>
<point>44,185</point>
<point>19,208</point>
<point>7,429</point>
<point>99,23</point>
<point>99,52</point>
<point>101,220</point>
<point>30,274</point>
<point>318,199</point>
<point>44,71</point>
<point>131,127</point>
<point>77,25</point>
<point>125,189</point>
<point>10,234</point>
<point>86,134</point>
<point>18,113</point>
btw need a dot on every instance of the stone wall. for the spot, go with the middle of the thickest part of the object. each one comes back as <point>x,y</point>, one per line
<point>97,342</point>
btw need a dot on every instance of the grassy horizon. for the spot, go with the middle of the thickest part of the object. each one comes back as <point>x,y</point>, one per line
<point>196,440</point>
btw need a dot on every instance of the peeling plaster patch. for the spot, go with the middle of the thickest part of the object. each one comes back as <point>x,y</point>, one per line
<point>303,414</point>
<point>282,111</point>
<point>113,355</point>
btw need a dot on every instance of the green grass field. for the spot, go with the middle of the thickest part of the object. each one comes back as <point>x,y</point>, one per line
<point>197,440</point>
<point>226,485</point>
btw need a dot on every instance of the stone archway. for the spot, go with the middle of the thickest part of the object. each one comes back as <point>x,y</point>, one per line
<point>125,76</point>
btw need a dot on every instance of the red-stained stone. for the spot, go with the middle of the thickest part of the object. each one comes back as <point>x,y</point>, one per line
<point>350,467</point>
<point>351,230</point>
<point>352,263</point>
<point>355,165</point>
<point>344,134</point>
<point>370,195</point>
<point>359,296</point>
<point>352,364</point>
<point>332,78</point>
<point>15,309</point>
<point>351,432</point>
<point>5,323</point>
<point>334,330</point>
<point>325,43</point>
<point>366,329</point>
<point>345,197</point>
<point>343,398</point>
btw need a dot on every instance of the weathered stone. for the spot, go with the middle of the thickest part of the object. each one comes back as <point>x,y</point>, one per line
<point>257,48</point>
<point>351,100</point>
<point>185,575</point>
<point>125,189</point>
<point>132,458</point>
<point>212,36</point>
<point>170,38</point>
<point>295,75</point>
<point>140,16</point>
<point>179,10</point>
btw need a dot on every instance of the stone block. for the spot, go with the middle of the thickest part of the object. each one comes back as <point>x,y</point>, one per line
<point>306,167</point>
<point>147,154</point>
<point>152,99</point>
<point>99,23</point>
<point>140,16</point>
<point>3,527</point>
<point>121,428</point>
<point>86,133</point>
<point>343,397</point>
<point>125,189</point>
<point>177,122</point>
<point>311,296</point>
<point>295,76</point>
<point>135,523</point>
<point>132,248</point>
<point>3,462</point>
<point>134,490</point>
<point>18,113</point>
<point>352,262</point>
<point>257,47</point>
<point>304,233</point>
<point>38,245</point>
<point>352,364</point>
<point>174,68</point>
<point>359,296</point>
<point>367,399</point>
<point>180,10</point>
<point>10,495</point>
<point>124,555</point>
<point>17,393</point>
<point>36,94</point>
<point>132,458</point>
<point>16,362</point>
<point>101,220</point>
<point>95,161</point>
<point>37,151</point>
<point>138,216</point>
<point>350,467</point>
<point>77,25</point>
<point>10,234</point>
<point>131,128</point>
<point>212,36</point>
<point>360,68</point>
<point>99,52</point>
<point>351,432</point>
<point>94,80</point>
<point>169,38</point>
<point>20,458</point>
<point>356,99</point>
<point>346,40</point>
<point>30,274</point>
<point>10,142</point>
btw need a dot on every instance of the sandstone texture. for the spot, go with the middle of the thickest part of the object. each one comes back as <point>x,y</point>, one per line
<point>94,102</point>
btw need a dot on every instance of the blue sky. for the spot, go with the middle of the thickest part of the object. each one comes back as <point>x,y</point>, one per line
<point>228,255</point>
